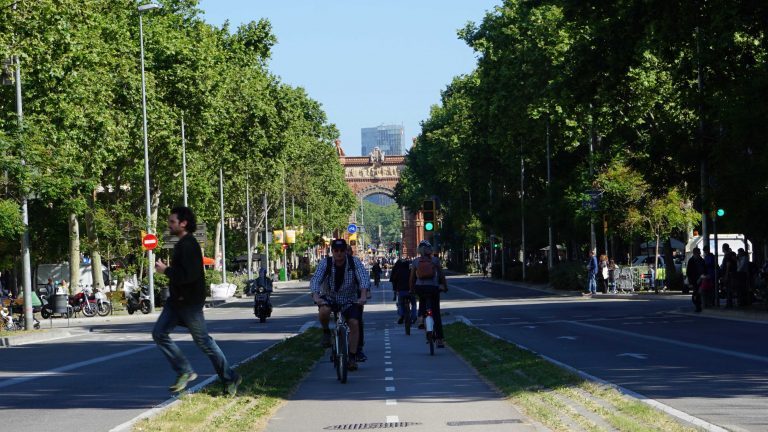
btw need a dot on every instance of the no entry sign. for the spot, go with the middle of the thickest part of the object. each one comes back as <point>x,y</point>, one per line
<point>149,241</point>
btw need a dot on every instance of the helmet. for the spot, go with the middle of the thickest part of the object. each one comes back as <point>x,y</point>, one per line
<point>425,248</point>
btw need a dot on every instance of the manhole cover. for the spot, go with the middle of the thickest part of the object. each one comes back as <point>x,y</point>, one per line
<point>361,426</point>
<point>482,422</point>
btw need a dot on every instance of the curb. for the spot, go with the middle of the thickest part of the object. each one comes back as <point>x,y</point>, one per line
<point>39,336</point>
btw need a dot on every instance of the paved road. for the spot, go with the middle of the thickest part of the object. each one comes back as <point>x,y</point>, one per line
<point>110,371</point>
<point>399,384</point>
<point>714,369</point>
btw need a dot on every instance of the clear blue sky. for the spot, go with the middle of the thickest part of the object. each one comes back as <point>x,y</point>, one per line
<point>368,62</point>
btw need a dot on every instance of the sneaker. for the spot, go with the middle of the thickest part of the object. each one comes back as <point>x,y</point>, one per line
<point>326,343</point>
<point>351,364</point>
<point>361,357</point>
<point>231,387</point>
<point>400,320</point>
<point>182,381</point>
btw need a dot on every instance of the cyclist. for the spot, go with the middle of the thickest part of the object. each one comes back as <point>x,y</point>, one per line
<point>400,278</point>
<point>337,280</point>
<point>427,280</point>
<point>376,272</point>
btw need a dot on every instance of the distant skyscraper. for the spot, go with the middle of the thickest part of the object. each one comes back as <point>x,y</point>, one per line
<point>388,138</point>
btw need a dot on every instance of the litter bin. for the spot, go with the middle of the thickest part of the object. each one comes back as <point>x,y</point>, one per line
<point>282,274</point>
<point>60,304</point>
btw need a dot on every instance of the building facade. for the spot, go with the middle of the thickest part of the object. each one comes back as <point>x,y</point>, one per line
<point>388,138</point>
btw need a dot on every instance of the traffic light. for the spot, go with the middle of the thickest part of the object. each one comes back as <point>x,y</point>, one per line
<point>428,212</point>
<point>720,212</point>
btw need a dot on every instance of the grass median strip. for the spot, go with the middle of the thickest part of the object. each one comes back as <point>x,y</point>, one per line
<point>550,394</point>
<point>267,381</point>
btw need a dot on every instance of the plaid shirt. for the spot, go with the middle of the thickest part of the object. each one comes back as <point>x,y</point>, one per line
<point>348,291</point>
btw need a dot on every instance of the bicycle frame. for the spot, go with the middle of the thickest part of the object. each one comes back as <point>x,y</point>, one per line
<point>340,338</point>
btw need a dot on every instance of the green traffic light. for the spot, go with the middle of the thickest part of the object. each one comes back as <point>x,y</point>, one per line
<point>720,212</point>
<point>429,226</point>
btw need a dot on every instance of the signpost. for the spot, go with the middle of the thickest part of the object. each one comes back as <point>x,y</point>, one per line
<point>351,228</point>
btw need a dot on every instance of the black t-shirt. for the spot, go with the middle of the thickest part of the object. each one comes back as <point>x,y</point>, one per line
<point>338,280</point>
<point>185,275</point>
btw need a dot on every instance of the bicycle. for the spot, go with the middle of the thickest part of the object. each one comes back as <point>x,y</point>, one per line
<point>406,302</point>
<point>340,341</point>
<point>429,324</point>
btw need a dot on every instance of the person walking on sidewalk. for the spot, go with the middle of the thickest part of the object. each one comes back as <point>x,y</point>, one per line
<point>337,280</point>
<point>592,274</point>
<point>185,306</point>
<point>693,271</point>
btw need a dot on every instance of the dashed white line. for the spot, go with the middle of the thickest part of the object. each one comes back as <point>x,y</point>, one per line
<point>387,369</point>
<point>387,362</point>
<point>391,401</point>
<point>389,389</point>
<point>393,419</point>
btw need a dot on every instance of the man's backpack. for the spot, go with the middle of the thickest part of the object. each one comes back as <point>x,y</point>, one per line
<point>425,268</point>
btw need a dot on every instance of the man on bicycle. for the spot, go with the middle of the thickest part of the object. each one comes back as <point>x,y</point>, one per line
<point>427,280</point>
<point>336,281</point>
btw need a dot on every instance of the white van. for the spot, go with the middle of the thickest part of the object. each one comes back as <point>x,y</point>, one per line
<point>735,241</point>
<point>60,271</point>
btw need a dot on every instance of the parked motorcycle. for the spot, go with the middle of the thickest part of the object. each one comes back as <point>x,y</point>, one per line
<point>138,300</point>
<point>103,305</point>
<point>82,302</point>
<point>262,307</point>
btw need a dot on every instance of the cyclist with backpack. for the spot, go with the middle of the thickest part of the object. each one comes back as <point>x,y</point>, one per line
<point>337,281</point>
<point>427,280</point>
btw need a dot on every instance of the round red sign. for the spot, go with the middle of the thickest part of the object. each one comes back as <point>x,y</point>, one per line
<point>149,241</point>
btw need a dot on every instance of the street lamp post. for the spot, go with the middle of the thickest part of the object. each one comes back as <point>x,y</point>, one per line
<point>150,254</point>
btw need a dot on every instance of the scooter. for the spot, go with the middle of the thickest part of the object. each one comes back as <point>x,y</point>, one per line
<point>138,300</point>
<point>262,307</point>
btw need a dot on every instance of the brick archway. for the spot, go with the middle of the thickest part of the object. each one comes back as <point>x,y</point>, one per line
<point>378,173</point>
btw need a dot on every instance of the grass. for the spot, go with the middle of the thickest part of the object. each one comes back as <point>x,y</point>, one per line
<point>267,381</point>
<point>550,394</point>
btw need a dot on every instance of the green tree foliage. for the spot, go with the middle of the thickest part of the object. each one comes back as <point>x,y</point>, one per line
<point>613,88</point>
<point>82,135</point>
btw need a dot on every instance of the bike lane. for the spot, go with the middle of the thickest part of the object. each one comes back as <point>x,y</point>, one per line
<point>400,385</point>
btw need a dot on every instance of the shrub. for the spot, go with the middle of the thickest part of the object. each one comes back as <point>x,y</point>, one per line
<point>568,276</point>
<point>538,273</point>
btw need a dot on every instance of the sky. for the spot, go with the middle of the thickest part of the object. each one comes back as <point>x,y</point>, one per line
<point>368,62</point>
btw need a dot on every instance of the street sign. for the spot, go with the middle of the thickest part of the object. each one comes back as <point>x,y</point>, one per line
<point>285,246</point>
<point>351,228</point>
<point>149,241</point>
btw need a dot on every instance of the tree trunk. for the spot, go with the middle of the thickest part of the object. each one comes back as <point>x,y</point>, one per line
<point>155,204</point>
<point>217,246</point>
<point>74,253</point>
<point>90,229</point>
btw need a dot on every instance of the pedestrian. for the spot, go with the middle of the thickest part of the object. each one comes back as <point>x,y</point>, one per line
<point>591,274</point>
<point>485,270</point>
<point>184,306</point>
<point>613,269</point>
<point>728,274</point>
<point>693,271</point>
<point>708,284</point>
<point>602,274</point>
<point>742,278</point>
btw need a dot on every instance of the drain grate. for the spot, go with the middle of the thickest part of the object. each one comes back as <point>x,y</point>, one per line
<point>361,426</point>
<point>482,422</point>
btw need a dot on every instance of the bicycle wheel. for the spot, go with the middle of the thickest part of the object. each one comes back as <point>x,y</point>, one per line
<point>341,368</point>
<point>407,315</point>
<point>335,356</point>
<point>429,325</point>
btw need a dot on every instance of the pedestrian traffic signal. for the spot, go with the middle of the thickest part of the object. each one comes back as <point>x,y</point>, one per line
<point>720,212</point>
<point>429,226</point>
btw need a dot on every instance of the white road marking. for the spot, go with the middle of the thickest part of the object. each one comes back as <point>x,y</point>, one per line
<point>567,337</point>
<point>389,378</point>
<point>389,389</point>
<point>391,401</point>
<point>73,366</point>
<point>387,357</point>
<point>387,369</point>
<point>387,362</point>
<point>530,327</point>
<point>678,343</point>
<point>393,419</point>
<point>635,355</point>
